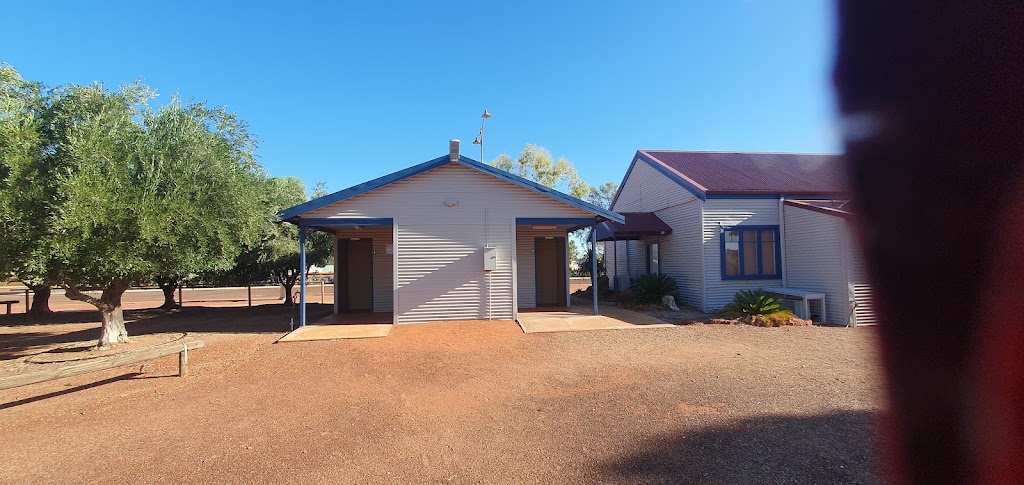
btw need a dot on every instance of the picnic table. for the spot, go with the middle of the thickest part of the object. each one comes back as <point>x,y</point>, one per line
<point>9,303</point>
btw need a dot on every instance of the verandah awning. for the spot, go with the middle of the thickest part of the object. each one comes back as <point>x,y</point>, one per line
<point>638,225</point>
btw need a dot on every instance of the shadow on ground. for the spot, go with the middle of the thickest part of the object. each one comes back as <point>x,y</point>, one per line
<point>834,448</point>
<point>257,319</point>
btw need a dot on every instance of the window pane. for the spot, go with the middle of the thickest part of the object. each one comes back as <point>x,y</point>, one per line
<point>732,253</point>
<point>768,264</point>
<point>653,265</point>
<point>749,241</point>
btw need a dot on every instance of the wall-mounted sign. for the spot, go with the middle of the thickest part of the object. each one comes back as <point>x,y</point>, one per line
<point>390,248</point>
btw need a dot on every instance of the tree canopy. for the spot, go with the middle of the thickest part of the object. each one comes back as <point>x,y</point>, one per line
<point>275,255</point>
<point>109,192</point>
<point>535,163</point>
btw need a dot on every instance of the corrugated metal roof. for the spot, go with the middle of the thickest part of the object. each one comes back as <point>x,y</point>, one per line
<point>753,173</point>
<point>292,214</point>
<point>638,225</point>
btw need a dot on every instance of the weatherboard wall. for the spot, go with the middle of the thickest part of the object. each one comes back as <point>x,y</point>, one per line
<point>815,259</point>
<point>680,255</point>
<point>646,189</point>
<point>727,213</point>
<point>444,218</point>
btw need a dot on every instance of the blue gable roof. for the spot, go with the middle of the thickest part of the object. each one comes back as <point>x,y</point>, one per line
<point>293,213</point>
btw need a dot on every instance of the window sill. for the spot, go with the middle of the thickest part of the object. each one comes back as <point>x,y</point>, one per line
<point>746,278</point>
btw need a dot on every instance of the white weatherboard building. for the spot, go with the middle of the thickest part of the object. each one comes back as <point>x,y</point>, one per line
<point>448,239</point>
<point>722,222</point>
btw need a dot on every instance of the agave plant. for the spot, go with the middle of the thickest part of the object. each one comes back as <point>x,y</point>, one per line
<point>749,303</point>
<point>649,289</point>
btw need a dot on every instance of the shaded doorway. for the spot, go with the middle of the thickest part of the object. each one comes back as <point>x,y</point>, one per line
<point>356,277</point>
<point>549,257</point>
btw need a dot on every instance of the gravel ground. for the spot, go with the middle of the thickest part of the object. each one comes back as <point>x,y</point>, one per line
<point>451,402</point>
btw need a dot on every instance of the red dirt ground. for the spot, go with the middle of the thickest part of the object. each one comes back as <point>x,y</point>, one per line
<point>450,402</point>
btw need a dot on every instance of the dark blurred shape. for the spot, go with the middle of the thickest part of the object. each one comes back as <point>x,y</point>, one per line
<point>933,117</point>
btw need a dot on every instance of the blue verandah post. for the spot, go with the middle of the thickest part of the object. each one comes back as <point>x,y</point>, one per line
<point>302,276</point>
<point>593,264</point>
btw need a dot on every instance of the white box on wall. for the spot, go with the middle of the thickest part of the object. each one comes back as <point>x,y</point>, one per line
<point>490,259</point>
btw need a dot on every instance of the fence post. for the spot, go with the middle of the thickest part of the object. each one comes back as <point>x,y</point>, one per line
<point>181,301</point>
<point>26,300</point>
<point>321,291</point>
<point>250,294</point>
<point>183,361</point>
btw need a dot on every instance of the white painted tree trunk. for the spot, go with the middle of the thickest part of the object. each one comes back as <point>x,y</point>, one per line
<point>113,332</point>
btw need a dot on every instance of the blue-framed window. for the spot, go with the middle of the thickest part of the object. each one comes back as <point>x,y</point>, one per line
<point>751,252</point>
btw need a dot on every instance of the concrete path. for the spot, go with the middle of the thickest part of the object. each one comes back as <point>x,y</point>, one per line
<point>576,319</point>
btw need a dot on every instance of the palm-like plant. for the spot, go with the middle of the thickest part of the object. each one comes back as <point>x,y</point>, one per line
<point>749,303</point>
<point>649,289</point>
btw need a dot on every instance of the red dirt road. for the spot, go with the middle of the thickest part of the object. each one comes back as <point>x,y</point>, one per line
<point>451,402</point>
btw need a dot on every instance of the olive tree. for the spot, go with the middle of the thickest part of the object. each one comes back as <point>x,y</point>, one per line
<point>282,249</point>
<point>26,141</point>
<point>139,193</point>
<point>275,255</point>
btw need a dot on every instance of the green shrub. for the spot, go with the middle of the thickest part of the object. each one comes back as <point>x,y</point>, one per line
<point>649,289</point>
<point>755,303</point>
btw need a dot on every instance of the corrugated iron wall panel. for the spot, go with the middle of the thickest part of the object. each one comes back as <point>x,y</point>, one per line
<point>440,217</point>
<point>864,312</point>
<point>814,258</point>
<point>727,213</point>
<point>680,251</point>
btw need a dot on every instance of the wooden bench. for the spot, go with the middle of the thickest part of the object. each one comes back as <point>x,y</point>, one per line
<point>103,363</point>
<point>9,303</point>
<point>803,296</point>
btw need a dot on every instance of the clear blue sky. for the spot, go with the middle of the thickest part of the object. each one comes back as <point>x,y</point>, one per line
<point>343,92</point>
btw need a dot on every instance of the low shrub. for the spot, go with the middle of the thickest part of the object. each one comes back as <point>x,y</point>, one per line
<point>747,304</point>
<point>649,289</point>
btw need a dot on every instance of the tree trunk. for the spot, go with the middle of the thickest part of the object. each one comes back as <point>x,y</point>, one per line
<point>112,331</point>
<point>40,300</point>
<point>168,290</point>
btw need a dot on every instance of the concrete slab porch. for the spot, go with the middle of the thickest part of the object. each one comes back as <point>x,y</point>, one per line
<point>345,325</point>
<point>335,332</point>
<point>580,318</point>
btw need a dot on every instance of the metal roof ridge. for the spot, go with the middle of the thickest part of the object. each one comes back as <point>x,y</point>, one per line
<point>347,193</point>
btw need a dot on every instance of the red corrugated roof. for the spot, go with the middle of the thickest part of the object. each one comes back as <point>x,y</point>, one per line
<point>638,225</point>
<point>755,173</point>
